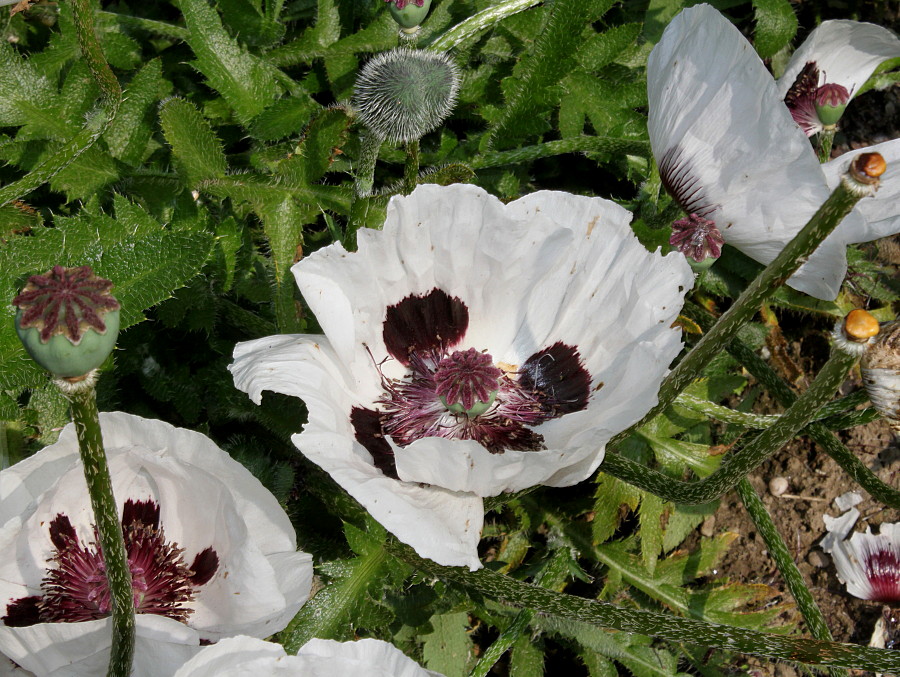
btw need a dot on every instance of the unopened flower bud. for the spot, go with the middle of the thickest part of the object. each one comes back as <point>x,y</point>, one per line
<point>831,100</point>
<point>864,174</point>
<point>67,320</point>
<point>880,367</point>
<point>409,14</point>
<point>403,94</point>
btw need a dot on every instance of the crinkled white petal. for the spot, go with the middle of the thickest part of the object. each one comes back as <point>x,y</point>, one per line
<point>240,656</point>
<point>161,646</point>
<point>710,95</point>
<point>881,212</point>
<point>850,554</point>
<point>441,525</point>
<point>206,499</point>
<point>529,273</point>
<point>846,53</point>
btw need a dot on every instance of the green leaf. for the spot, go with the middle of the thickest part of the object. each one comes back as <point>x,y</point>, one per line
<point>197,152</point>
<point>603,48</point>
<point>129,133</point>
<point>245,81</point>
<point>776,26</point>
<point>532,88</point>
<point>650,516</point>
<point>23,90</point>
<point>286,117</point>
<point>89,172</point>
<point>448,649</point>
<point>526,658</point>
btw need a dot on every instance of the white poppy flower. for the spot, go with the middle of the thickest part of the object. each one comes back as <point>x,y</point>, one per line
<point>471,349</point>
<point>733,158</point>
<point>238,656</point>
<point>830,66</point>
<point>211,551</point>
<point>867,563</point>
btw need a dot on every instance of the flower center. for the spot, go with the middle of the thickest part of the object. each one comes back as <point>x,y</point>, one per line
<point>76,589</point>
<point>812,106</point>
<point>697,237</point>
<point>467,382</point>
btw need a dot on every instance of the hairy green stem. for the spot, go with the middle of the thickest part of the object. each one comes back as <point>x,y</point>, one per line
<point>825,220</point>
<point>665,626</point>
<point>833,415</point>
<point>746,459</point>
<point>106,517</point>
<point>369,145</point>
<point>775,544</point>
<point>477,23</point>
<point>575,144</point>
<point>819,432</point>
<point>411,167</point>
<point>825,141</point>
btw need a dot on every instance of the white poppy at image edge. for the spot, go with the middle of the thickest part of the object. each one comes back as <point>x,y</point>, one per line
<point>240,656</point>
<point>730,153</point>
<point>239,562</point>
<point>868,564</point>
<point>540,329</point>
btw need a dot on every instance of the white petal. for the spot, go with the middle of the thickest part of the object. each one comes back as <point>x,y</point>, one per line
<point>844,552</point>
<point>846,52</point>
<point>442,525</point>
<point>82,649</point>
<point>712,97</point>
<point>241,656</point>
<point>206,499</point>
<point>376,658</point>
<point>882,211</point>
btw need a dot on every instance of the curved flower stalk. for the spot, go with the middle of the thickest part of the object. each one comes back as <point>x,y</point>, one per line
<point>733,158</point>
<point>829,68</point>
<point>238,656</point>
<point>471,349</point>
<point>211,552</point>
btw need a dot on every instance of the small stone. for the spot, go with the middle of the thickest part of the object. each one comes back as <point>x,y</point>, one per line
<point>778,486</point>
<point>708,528</point>
<point>818,559</point>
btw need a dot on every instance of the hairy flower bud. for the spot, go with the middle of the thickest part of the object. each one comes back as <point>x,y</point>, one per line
<point>403,94</point>
<point>880,368</point>
<point>67,320</point>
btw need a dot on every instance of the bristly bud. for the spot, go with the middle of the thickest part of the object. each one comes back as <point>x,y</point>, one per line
<point>880,368</point>
<point>67,320</point>
<point>409,14</point>
<point>403,94</point>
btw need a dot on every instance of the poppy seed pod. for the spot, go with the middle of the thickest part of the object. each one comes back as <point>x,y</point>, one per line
<point>67,320</point>
<point>403,94</point>
<point>409,13</point>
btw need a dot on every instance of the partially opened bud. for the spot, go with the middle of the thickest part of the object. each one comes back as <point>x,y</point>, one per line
<point>67,320</point>
<point>880,366</point>
<point>403,94</point>
<point>409,13</point>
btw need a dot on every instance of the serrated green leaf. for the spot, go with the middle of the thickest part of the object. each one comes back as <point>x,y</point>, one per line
<point>603,48</point>
<point>197,152</point>
<point>612,499</point>
<point>526,658</point>
<point>448,649</point>
<point>245,81</point>
<point>776,26</point>
<point>286,117</point>
<point>650,515</point>
<point>322,141</point>
<point>88,173</point>
<point>129,133</point>
<point>22,88</point>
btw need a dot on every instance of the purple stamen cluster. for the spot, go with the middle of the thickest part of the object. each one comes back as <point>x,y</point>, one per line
<point>697,237</point>
<point>467,377</point>
<point>76,589</point>
<point>65,301</point>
